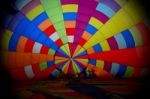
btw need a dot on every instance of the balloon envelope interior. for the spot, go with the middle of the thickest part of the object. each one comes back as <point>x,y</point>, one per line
<point>75,38</point>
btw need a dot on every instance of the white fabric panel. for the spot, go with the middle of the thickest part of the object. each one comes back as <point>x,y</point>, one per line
<point>70,39</point>
<point>29,72</point>
<point>54,36</point>
<point>37,47</point>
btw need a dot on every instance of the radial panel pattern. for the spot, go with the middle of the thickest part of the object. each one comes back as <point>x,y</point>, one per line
<point>75,38</point>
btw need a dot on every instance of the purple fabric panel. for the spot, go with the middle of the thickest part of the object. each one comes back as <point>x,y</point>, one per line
<point>112,42</point>
<point>30,6</point>
<point>112,4</point>
<point>81,25</point>
<point>17,18</point>
<point>74,47</point>
<point>78,35</point>
<point>83,18</point>
<point>59,54</point>
<point>88,3</point>
<point>76,40</point>
<point>100,16</point>
<point>85,10</point>
<point>107,66</point>
<point>69,1</point>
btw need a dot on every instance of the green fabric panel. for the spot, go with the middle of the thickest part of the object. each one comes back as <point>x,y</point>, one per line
<point>51,52</point>
<point>128,72</point>
<point>54,11</point>
<point>43,66</point>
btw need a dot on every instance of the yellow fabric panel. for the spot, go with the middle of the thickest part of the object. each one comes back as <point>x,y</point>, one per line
<point>136,36</point>
<point>65,50</point>
<point>134,10</point>
<point>119,22</point>
<point>35,12</point>
<point>105,46</point>
<point>75,68</point>
<point>94,40</point>
<point>100,64</point>
<point>84,60</point>
<point>59,61</point>
<point>5,39</point>
<point>95,22</point>
<point>70,8</point>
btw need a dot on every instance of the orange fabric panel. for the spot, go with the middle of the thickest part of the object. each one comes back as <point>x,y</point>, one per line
<point>66,68</point>
<point>90,50</point>
<point>70,24</point>
<point>42,57</point>
<point>21,44</point>
<point>35,58</point>
<point>17,59</point>
<point>49,57</point>
<point>45,24</point>
<point>86,35</point>
<point>27,58</point>
<point>59,58</point>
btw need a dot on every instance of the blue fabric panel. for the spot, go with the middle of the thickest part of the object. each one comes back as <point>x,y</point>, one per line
<point>62,52</point>
<point>50,63</point>
<point>105,9</point>
<point>97,48</point>
<point>61,66</point>
<point>13,42</point>
<point>54,46</point>
<point>92,61</point>
<point>120,41</point>
<point>40,18</point>
<point>21,26</point>
<point>79,66</point>
<point>28,30</point>
<point>122,69</point>
<point>114,68</point>
<point>128,38</point>
<point>83,53</point>
<point>70,16</point>
<point>91,29</point>
<point>35,35</point>
<point>48,42</point>
<point>42,39</point>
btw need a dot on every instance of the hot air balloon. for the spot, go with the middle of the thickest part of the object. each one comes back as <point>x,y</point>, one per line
<point>96,38</point>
